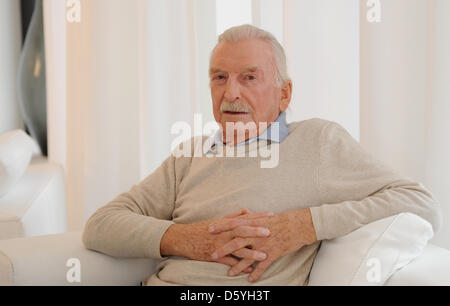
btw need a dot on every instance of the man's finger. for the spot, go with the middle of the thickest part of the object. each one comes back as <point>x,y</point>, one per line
<point>230,224</point>
<point>243,211</point>
<point>250,254</point>
<point>257,215</point>
<point>228,260</point>
<point>259,270</point>
<point>250,232</point>
<point>230,247</point>
<point>248,270</point>
<point>240,266</point>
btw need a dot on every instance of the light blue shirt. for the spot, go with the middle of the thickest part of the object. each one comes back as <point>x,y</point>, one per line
<point>269,134</point>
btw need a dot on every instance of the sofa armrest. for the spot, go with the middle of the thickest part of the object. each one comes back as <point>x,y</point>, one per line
<point>45,260</point>
<point>431,268</point>
<point>370,255</point>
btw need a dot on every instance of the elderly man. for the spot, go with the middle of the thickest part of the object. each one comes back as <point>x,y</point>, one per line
<point>229,221</point>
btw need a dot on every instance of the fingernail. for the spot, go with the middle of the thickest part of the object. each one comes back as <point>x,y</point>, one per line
<point>230,273</point>
<point>261,256</point>
<point>215,256</point>
<point>270,213</point>
<point>250,279</point>
<point>211,229</point>
<point>264,231</point>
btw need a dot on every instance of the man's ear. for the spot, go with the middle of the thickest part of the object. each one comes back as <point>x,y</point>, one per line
<point>286,95</point>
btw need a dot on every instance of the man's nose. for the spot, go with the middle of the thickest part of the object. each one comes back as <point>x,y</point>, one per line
<point>232,91</point>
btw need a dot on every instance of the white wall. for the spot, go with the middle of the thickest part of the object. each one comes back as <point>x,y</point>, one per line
<point>10,46</point>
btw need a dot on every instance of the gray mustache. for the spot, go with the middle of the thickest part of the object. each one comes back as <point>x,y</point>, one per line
<point>227,106</point>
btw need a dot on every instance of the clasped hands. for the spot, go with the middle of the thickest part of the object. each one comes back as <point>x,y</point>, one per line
<point>242,239</point>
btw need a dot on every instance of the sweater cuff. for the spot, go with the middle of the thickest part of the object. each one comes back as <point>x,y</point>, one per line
<point>332,221</point>
<point>319,221</point>
<point>159,227</point>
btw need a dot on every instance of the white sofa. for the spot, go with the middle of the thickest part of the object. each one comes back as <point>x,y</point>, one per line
<point>32,189</point>
<point>36,204</point>
<point>48,260</point>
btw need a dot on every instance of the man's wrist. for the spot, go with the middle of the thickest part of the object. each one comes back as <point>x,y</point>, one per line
<point>305,225</point>
<point>170,244</point>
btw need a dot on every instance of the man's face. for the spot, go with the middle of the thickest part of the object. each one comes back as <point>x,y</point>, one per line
<point>242,81</point>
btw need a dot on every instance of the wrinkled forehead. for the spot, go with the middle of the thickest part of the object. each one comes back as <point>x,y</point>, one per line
<point>243,55</point>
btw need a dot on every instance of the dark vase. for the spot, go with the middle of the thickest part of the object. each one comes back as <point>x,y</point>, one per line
<point>31,79</point>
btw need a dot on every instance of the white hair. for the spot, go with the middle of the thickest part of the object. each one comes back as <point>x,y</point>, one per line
<point>247,31</point>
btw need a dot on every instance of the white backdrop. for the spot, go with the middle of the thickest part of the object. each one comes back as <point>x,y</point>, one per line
<point>134,69</point>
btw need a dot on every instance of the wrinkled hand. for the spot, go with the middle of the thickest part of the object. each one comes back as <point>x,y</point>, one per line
<point>196,242</point>
<point>289,231</point>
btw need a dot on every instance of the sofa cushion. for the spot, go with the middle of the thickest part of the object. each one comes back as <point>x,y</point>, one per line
<point>47,261</point>
<point>16,149</point>
<point>371,254</point>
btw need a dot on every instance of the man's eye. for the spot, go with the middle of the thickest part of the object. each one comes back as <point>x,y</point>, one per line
<point>219,77</point>
<point>250,77</point>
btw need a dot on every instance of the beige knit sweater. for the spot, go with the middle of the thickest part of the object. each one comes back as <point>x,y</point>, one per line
<point>320,166</point>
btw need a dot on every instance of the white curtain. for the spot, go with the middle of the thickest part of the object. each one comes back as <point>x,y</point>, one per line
<point>405,97</point>
<point>321,38</point>
<point>55,50</point>
<point>176,38</point>
<point>437,166</point>
<point>135,68</point>
<point>102,105</point>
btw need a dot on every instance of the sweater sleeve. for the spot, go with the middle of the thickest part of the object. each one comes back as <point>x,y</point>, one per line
<point>133,223</point>
<point>355,189</point>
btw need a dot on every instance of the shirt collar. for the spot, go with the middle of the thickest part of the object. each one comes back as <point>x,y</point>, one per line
<point>270,133</point>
